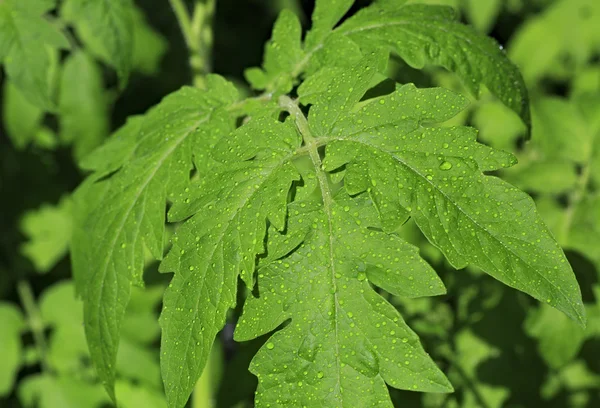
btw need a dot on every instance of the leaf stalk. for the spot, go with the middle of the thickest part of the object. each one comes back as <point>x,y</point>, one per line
<point>198,35</point>
<point>34,320</point>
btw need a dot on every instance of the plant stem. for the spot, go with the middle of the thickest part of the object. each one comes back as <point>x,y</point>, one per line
<point>203,397</point>
<point>311,144</point>
<point>573,201</point>
<point>183,18</point>
<point>197,32</point>
<point>34,320</point>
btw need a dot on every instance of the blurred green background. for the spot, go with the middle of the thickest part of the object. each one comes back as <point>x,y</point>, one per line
<point>498,347</point>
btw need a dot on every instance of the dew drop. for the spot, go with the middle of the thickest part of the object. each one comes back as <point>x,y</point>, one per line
<point>445,166</point>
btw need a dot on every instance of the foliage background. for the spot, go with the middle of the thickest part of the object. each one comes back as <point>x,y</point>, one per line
<point>498,346</point>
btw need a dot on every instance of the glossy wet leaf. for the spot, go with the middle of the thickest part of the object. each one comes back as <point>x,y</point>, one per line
<point>219,243</point>
<point>344,342</point>
<point>435,175</point>
<point>423,34</point>
<point>124,213</point>
<point>283,53</point>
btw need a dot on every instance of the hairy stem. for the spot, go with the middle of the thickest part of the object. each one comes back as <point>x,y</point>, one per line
<point>34,320</point>
<point>183,19</point>
<point>197,32</point>
<point>573,201</point>
<point>311,145</point>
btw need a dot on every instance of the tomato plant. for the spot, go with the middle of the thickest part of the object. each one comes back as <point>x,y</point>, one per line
<point>389,210</point>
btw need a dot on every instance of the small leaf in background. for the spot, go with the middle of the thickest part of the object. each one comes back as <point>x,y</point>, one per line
<point>149,46</point>
<point>140,324</point>
<point>131,395</point>
<point>471,351</point>
<point>83,105</point>
<point>498,125</point>
<point>577,380</point>
<point>562,35</point>
<point>49,232</point>
<point>67,352</point>
<point>482,13</point>
<point>554,176</point>
<point>12,324</point>
<point>47,391</point>
<point>62,313</point>
<point>560,339</point>
<point>27,42</point>
<point>21,118</point>
<point>106,29</point>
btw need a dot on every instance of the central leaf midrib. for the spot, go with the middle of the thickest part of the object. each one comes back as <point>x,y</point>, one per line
<point>311,145</point>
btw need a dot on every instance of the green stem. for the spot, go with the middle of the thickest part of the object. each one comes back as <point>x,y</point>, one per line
<point>573,201</point>
<point>34,319</point>
<point>197,32</point>
<point>311,144</point>
<point>183,18</point>
<point>202,395</point>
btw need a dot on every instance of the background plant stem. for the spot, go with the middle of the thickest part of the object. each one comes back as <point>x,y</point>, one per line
<point>34,320</point>
<point>198,35</point>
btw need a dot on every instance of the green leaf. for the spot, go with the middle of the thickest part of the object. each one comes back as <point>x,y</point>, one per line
<point>47,391</point>
<point>21,118</point>
<point>141,321</point>
<point>561,131</point>
<point>106,27</point>
<point>283,53</point>
<point>62,313</point>
<point>482,14</point>
<point>560,339</point>
<point>132,396</point>
<point>120,209</point>
<point>138,364</point>
<point>149,46</point>
<point>219,243</point>
<point>49,231</point>
<point>471,352</point>
<point>344,342</point>
<point>563,159</point>
<point>12,324</point>
<point>27,42</point>
<point>423,34</point>
<point>498,126</point>
<point>567,32</point>
<point>550,177</point>
<point>435,174</point>
<point>59,307</point>
<point>326,15</point>
<point>83,105</point>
